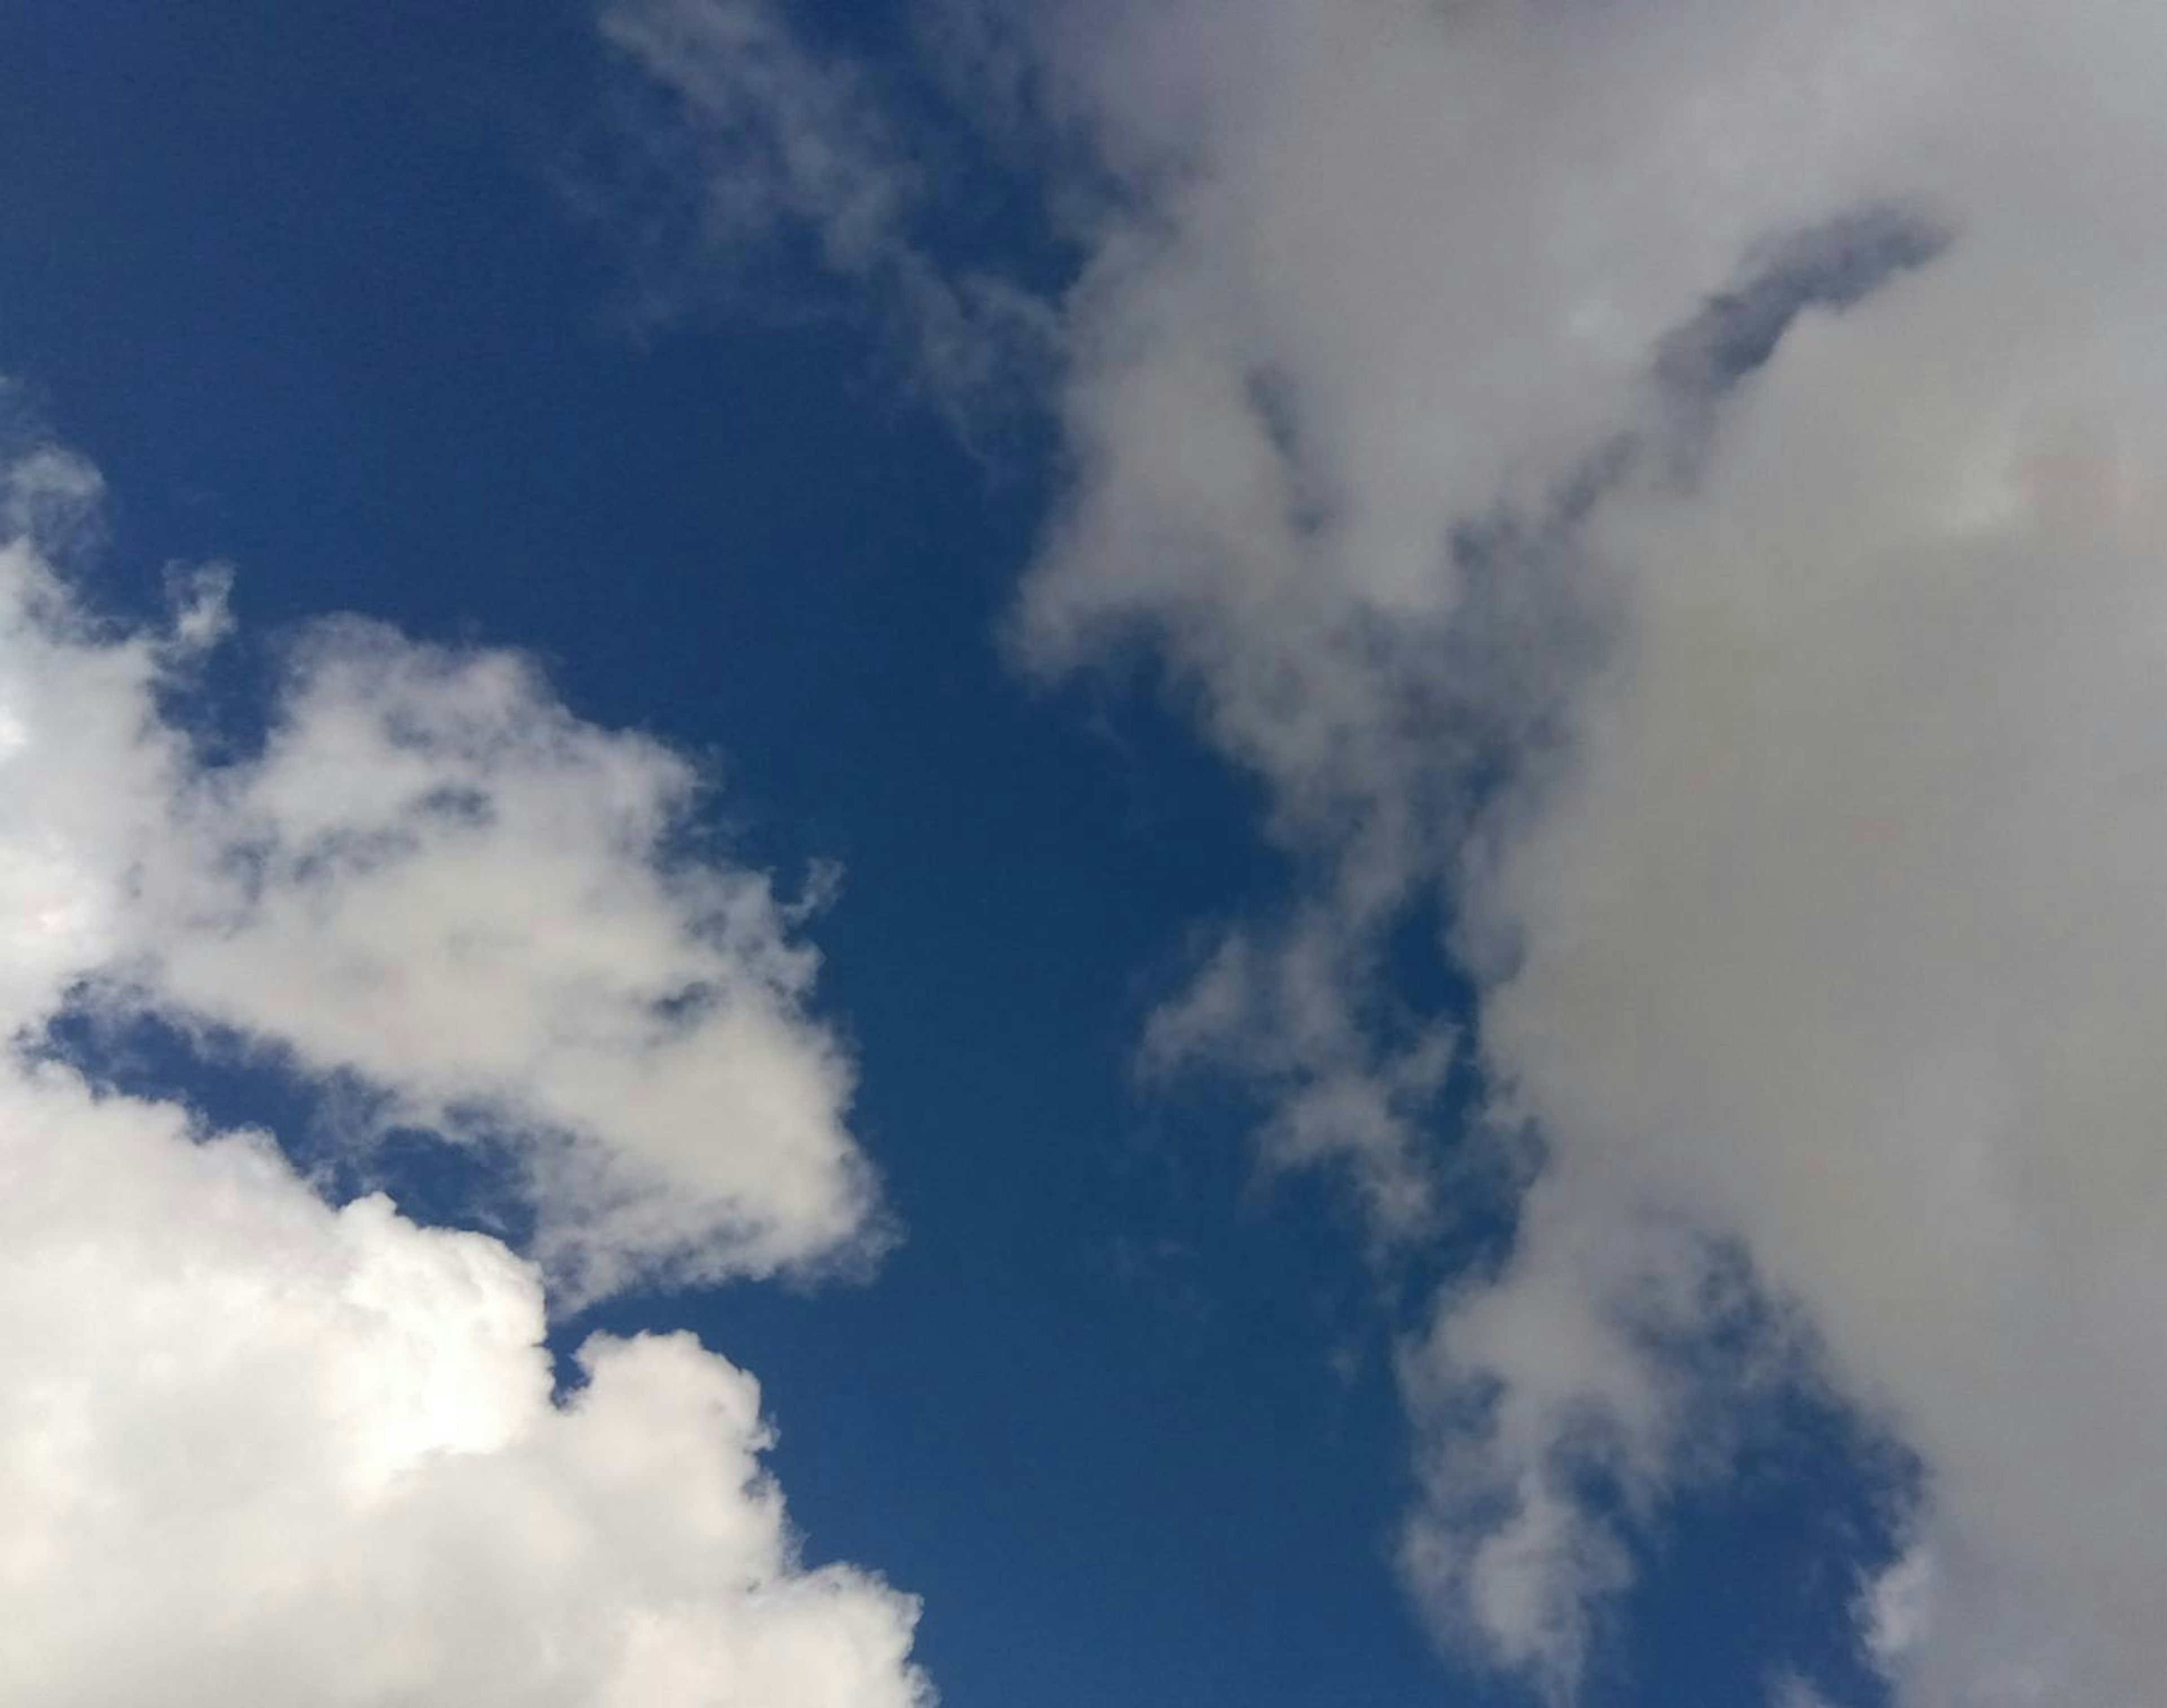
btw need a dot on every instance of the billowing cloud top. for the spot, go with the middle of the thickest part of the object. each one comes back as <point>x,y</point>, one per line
<point>273,1452</point>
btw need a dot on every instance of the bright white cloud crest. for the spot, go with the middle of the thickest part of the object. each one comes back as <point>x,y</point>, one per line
<point>256,1448</point>
<point>1730,435</point>
<point>272,1450</point>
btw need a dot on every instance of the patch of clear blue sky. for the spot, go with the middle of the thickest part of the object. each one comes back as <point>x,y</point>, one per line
<point>296,277</point>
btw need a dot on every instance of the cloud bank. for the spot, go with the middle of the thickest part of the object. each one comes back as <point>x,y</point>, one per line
<point>1676,487</point>
<point>1680,482</point>
<point>257,1447</point>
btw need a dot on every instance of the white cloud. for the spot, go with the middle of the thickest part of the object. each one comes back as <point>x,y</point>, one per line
<point>436,877</point>
<point>83,762</point>
<point>1792,1691</point>
<point>255,1449</point>
<point>258,1448</point>
<point>1898,1607</point>
<point>1771,680</point>
<point>1620,1352</point>
<point>437,880</point>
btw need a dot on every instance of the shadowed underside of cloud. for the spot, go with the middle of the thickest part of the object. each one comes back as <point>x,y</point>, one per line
<point>1681,483</point>
<point>256,1448</point>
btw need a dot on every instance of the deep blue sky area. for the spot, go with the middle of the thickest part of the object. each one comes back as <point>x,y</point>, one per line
<point>305,282</point>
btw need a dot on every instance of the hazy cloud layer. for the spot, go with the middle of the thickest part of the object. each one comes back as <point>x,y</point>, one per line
<point>1680,482</point>
<point>258,1448</point>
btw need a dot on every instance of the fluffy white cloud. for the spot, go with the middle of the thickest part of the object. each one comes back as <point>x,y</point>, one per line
<point>258,1448</point>
<point>1682,478</point>
<point>436,878</point>
<point>84,763</point>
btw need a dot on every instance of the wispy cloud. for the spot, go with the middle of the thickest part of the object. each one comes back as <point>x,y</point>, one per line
<point>746,141</point>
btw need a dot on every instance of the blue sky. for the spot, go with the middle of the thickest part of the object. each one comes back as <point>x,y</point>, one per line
<point>1260,759</point>
<point>816,570</point>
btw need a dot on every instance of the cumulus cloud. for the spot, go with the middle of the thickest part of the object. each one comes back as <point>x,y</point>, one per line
<point>434,880</point>
<point>255,1447</point>
<point>435,877</point>
<point>1676,484</point>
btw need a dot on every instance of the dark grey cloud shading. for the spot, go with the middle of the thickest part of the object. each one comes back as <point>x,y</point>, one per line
<point>1830,266</point>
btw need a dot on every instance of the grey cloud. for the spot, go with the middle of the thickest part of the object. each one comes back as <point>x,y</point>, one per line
<point>1798,819</point>
<point>1833,266</point>
<point>1747,760</point>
